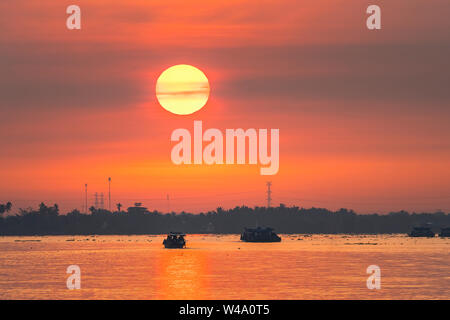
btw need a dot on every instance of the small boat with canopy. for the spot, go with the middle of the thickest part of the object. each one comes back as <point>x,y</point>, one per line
<point>175,240</point>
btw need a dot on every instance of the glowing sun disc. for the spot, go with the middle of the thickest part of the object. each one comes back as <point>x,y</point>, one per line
<point>182,89</point>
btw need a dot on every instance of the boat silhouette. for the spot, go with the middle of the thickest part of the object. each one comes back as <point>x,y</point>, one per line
<point>445,232</point>
<point>175,240</point>
<point>421,232</point>
<point>259,234</point>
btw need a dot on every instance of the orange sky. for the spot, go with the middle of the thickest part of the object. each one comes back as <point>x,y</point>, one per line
<point>363,115</point>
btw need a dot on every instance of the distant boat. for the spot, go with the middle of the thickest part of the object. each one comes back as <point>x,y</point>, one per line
<point>175,240</point>
<point>445,232</point>
<point>421,232</point>
<point>259,235</point>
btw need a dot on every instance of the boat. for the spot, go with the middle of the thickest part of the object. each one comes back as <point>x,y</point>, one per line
<point>445,232</point>
<point>259,234</point>
<point>175,240</point>
<point>421,232</point>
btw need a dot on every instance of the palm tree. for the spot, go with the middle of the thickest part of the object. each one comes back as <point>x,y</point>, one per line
<point>119,206</point>
<point>5,207</point>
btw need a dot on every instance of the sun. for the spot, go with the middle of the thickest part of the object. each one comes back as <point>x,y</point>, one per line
<point>182,89</point>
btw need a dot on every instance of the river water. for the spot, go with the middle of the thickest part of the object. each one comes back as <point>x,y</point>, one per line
<point>222,267</point>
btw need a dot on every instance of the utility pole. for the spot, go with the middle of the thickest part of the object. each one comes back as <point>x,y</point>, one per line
<point>85,198</point>
<point>96,200</point>
<point>269,193</point>
<point>168,204</point>
<point>101,201</point>
<point>109,193</point>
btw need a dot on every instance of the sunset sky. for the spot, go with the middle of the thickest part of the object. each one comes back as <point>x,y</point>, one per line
<point>363,115</point>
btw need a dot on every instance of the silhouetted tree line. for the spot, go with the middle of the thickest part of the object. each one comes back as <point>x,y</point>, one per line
<point>46,220</point>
